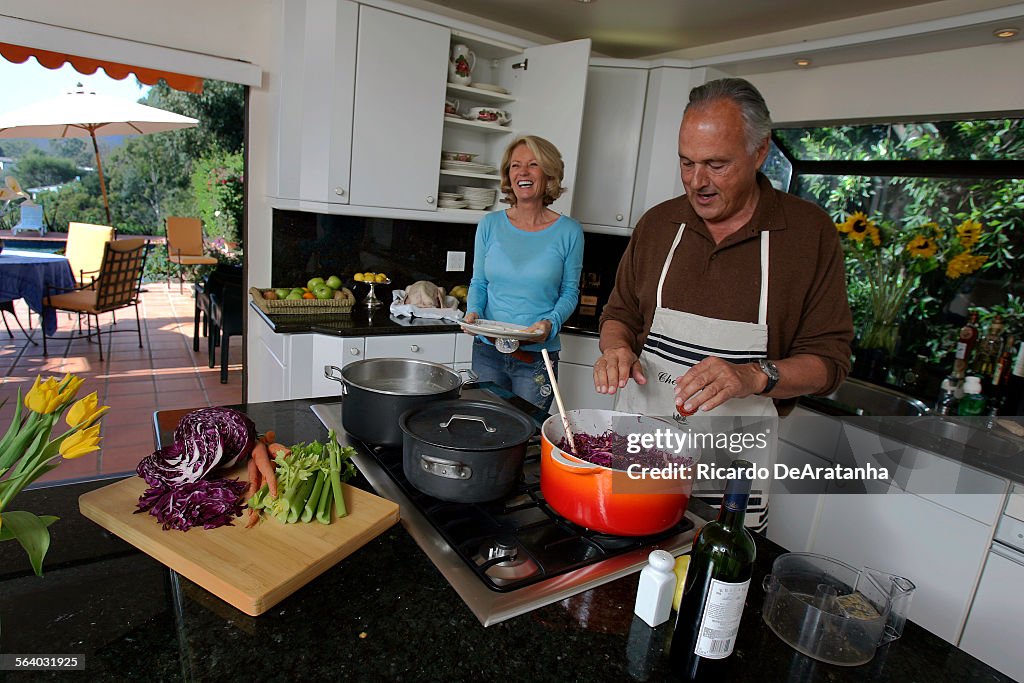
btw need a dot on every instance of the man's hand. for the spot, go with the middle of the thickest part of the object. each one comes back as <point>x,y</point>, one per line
<point>713,381</point>
<point>614,368</point>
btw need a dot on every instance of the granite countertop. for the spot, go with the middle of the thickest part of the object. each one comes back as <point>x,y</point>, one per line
<point>365,322</point>
<point>384,612</point>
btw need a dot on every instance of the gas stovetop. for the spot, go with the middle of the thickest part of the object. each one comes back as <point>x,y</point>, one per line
<point>509,556</point>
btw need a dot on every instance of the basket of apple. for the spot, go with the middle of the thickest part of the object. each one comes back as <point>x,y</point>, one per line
<point>318,296</point>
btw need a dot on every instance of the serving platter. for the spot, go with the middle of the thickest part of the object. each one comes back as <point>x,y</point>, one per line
<point>494,328</point>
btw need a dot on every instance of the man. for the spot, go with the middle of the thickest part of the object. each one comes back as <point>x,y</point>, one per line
<point>732,295</point>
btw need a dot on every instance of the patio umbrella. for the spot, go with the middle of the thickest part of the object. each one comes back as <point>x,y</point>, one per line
<point>83,114</point>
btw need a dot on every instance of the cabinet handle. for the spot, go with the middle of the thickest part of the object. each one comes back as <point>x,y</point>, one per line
<point>340,191</point>
<point>430,199</point>
<point>414,348</point>
<point>354,351</point>
<point>618,216</point>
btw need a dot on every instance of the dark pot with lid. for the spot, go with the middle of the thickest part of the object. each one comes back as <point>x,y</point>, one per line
<point>378,390</point>
<point>464,451</point>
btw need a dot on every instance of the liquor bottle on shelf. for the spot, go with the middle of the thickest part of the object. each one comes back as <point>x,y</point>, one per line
<point>1014,403</point>
<point>716,586</point>
<point>989,349</point>
<point>965,345</point>
<point>973,402</point>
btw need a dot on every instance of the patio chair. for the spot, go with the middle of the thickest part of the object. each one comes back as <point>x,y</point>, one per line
<point>117,286</point>
<point>185,245</point>
<point>226,321</point>
<point>6,307</point>
<point>211,284</point>
<point>31,220</point>
<point>84,249</point>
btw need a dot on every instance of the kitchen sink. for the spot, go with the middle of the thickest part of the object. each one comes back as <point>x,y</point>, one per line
<point>974,436</point>
<point>856,397</point>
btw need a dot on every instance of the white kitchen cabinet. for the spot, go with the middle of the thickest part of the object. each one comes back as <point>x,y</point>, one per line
<point>401,68</point>
<point>277,369</point>
<point>336,351</point>
<point>576,373</point>
<point>612,119</point>
<point>546,87</point>
<point>314,140</point>
<point>435,348</point>
<point>993,630</point>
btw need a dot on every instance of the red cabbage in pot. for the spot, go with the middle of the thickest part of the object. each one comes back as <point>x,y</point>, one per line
<point>211,503</point>
<point>203,440</point>
<point>609,450</point>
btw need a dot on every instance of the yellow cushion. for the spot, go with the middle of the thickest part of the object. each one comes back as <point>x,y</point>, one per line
<point>191,260</point>
<point>84,249</point>
<point>184,236</point>
<point>83,300</point>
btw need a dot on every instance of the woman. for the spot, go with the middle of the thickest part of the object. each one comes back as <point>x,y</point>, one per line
<point>526,269</point>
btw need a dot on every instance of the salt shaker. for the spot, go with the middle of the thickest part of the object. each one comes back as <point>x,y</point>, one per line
<point>657,585</point>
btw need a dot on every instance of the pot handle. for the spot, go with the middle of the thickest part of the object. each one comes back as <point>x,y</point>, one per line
<point>471,376</point>
<point>447,469</point>
<point>566,465</point>
<point>488,428</point>
<point>329,371</point>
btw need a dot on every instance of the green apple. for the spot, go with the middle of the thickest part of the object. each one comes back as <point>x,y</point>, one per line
<point>312,284</point>
<point>294,295</point>
<point>323,292</point>
<point>334,282</point>
<point>295,290</point>
<point>282,292</point>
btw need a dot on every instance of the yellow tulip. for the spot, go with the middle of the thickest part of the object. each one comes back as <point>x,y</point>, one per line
<point>43,397</point>
<point>69,387</point>
<point>81,442</point>
<point>85,411</point>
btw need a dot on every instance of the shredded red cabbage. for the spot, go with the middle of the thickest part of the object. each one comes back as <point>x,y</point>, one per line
<point>609,450</point>
<point>203,440</point>
<point>210,503</point>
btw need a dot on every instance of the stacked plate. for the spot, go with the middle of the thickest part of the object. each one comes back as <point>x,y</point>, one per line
<point>478,198</point>
<point>491,87</point>
<point>468,167</point>
<point>450,200</point>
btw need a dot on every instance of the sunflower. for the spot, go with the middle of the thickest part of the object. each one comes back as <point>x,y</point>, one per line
<point>969,232</point>
<point>922,247</point>
<point>857,219</point>
<point>964,264</point>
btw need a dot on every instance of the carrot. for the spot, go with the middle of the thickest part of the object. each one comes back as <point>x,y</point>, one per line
<point>268,437</point>
<point>254,479</point>
<point>266,467</point>
<point>277,449</point>
<point>254,516</point>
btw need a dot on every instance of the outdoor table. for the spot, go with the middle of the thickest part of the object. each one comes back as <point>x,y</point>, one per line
<point>26,274</point>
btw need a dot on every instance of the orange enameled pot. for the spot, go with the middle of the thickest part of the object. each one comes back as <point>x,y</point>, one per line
<point>602,498</point>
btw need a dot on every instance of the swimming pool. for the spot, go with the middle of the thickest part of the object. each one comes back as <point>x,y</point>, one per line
<point>43,247</point>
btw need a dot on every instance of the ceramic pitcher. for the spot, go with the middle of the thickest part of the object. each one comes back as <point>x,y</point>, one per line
<point>460,67</point>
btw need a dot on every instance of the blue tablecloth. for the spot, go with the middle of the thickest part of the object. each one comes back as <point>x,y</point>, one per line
<point>25,274</point>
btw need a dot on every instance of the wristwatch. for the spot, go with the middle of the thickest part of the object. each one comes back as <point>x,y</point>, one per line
<point>769,368</point>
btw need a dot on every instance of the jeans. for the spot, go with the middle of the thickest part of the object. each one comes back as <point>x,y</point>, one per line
<point>526,380</point>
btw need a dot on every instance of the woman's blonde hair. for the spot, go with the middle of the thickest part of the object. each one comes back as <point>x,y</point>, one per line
<point>550,163</point>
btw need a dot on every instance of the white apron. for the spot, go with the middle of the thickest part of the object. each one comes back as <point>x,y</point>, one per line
<point>678,341</point>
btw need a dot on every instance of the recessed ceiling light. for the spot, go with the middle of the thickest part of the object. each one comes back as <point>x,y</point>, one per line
<point>802,62</point>
<point>1005,32</point>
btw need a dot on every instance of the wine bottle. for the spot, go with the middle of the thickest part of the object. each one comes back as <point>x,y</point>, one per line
<point>965,345</point>
<point>715,591</point>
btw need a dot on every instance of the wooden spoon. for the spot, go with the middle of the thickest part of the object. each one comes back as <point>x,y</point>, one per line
<point>558,399</point>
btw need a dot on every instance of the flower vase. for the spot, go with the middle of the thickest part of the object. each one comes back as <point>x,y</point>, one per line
<point>875,350</point>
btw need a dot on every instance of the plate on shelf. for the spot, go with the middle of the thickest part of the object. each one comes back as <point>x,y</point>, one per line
<point>452,203</point>
<point>493,328</point>
<point>468,167</point>
<point>491,87</point>
<point>458,156</point>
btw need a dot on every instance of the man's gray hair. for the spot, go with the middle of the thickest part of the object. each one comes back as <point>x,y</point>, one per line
<point>757,121</point>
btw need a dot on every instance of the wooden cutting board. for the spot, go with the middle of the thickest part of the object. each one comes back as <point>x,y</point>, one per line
<point>252,569</point>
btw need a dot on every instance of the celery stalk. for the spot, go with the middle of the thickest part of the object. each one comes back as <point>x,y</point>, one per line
<point>339,497</point>
<point>309,509</point>
<point>323,508</point>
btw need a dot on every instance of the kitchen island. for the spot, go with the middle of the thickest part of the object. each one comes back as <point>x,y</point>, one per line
<point>384,612</point>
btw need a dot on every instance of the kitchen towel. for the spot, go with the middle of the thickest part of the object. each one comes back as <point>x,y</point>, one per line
<point>403,310</point>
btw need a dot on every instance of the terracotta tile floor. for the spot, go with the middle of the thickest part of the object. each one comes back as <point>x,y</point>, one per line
<point>164,373</point>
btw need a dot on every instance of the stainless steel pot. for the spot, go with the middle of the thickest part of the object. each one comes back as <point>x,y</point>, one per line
<point>464,451</point>
<point>378,390</point>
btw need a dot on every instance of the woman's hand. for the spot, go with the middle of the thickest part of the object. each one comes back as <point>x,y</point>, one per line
<point>470,318</point>
<point>541,326</point>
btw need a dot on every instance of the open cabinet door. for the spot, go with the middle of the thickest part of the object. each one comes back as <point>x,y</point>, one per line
<point>550,96</point>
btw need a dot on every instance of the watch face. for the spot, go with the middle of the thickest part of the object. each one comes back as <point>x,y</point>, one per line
<point>770,369</point>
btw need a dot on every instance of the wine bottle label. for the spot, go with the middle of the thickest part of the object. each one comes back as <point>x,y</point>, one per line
<point>721,620</point>
<point>961,350</point>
